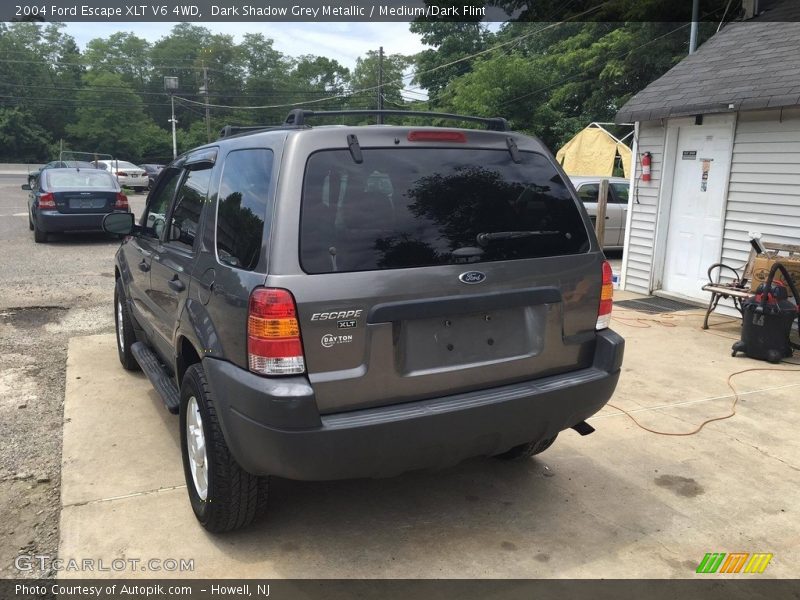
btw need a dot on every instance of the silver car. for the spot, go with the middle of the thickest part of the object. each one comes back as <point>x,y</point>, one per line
<point>616,210</point>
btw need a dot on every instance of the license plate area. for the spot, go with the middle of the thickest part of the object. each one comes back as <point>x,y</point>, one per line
<point>463,341</point>
<point>84,203</point>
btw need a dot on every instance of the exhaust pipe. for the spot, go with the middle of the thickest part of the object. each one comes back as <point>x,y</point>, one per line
<point>583,428</point>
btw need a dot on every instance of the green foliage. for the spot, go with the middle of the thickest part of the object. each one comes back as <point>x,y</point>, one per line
<point>21,137</point>
<point>549,79</point>
<point>554,79</point>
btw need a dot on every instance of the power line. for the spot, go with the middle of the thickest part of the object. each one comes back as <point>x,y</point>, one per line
<point>415,74</point>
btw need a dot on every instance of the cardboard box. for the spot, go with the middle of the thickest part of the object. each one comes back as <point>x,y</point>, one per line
<point>763,264</point>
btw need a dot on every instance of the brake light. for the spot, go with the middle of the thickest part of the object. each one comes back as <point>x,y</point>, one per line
<point>437,136</point>
<point>606,298</point>
<point>121,174</point>
<point>274,346</point>
<point>47,201</point>
<point>122,202</point>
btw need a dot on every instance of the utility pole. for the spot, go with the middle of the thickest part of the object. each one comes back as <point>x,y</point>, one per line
<point>171,86</point>
<point>380,84</point>
<point>204,91</point>
<point>695,23</point>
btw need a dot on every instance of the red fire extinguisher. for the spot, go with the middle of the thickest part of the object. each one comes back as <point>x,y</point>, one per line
<point>646,160</point>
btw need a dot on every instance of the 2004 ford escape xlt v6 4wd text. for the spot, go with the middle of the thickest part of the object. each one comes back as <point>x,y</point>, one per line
<point>338,302</point>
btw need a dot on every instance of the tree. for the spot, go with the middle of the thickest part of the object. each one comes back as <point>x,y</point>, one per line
<point>367,74</point>
<point>451,41</point>
<point>21,138</point>
<point>110,118</point>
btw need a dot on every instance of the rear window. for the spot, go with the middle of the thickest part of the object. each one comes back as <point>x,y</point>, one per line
<point>420,207</point>
<point>80,179</point>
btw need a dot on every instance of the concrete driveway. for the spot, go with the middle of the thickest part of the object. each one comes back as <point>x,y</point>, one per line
<point>621,502</point>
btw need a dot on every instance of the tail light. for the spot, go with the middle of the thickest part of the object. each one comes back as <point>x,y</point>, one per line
<point>121,174</point>
<point>122,202</point>
<point>606,301</point>
<point>274,346</point>
<point>47,201</point>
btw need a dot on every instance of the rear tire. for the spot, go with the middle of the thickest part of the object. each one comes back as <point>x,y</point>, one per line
<point>223,496</point>
<point>124,329</point>
<point>30,223</point>
<point>39,236</point>
<point>524,451</point>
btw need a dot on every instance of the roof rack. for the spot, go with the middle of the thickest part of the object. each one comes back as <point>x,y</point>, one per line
<point>297,116</point>
<point>232,130</point>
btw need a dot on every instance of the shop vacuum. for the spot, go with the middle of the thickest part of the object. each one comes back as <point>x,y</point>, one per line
<point>767,319</point>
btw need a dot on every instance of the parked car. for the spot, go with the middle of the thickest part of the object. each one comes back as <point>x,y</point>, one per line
<point>152,171</point>
<point>60,164</point>
<point>70,199</point>
<point>616,206</point>
<point>127,174</point>
<point>336,302</point>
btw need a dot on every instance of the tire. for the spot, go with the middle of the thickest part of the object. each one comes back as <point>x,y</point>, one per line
<point>30,223</point>
<point>39,236</point>
<point>232,498</point>
<point>524,451</point>
<point>125,334</point>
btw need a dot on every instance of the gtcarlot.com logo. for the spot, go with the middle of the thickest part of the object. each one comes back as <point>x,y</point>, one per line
<point>734,562</point>
<point>43,562</point>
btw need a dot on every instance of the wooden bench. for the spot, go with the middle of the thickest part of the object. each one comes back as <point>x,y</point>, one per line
<point>738,289</point>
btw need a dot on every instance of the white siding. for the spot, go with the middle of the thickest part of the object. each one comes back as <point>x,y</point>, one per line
<point>639,252</point>
<point>764,192</point>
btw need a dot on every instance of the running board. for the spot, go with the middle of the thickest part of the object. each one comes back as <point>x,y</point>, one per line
<point>583,428</point>
<point>161,381</point>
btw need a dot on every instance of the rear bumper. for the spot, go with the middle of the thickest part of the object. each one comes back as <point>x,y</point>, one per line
<point>272,425</point>
<point>51,221</point>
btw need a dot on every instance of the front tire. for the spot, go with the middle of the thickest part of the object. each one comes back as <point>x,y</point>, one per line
<point>223,496</point>
<point>124,328</point>
<point>524,451</point>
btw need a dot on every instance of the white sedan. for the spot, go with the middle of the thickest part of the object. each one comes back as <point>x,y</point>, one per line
<point>128,174</point>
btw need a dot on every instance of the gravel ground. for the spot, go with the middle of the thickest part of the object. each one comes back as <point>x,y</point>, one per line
<point>50,292</point>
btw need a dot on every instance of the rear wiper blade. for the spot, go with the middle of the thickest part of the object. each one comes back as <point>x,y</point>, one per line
<point>485,238</point>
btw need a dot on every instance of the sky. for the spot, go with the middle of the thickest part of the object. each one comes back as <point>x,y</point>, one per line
<point>344,42</point>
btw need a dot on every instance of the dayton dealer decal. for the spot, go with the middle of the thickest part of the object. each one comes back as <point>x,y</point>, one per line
<point>330,340</point>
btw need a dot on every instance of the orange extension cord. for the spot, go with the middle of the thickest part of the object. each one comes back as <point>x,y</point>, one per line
<point>668,320</point>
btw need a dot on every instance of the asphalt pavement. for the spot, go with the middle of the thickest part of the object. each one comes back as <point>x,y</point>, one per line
<point>48,293</point>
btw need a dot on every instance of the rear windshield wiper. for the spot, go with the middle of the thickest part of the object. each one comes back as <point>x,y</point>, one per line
<point>485,238</point>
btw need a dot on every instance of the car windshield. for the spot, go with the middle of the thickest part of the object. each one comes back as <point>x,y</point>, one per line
<point>431,206</point>
<point>80,180</point>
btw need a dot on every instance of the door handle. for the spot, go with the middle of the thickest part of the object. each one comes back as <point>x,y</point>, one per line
<point>176,284</point>
<point>143,266</point>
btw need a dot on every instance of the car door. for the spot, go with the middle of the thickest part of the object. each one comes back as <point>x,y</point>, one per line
<point>139,250</point>
<point>173,258</point>
<point>589,193</point>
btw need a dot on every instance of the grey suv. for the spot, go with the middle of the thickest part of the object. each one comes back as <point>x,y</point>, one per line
<point>355,301</point>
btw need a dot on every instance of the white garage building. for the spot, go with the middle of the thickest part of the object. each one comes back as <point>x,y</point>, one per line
<point>723,130</point>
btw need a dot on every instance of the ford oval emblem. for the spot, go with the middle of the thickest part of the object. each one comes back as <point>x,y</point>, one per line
<point>472,277</point>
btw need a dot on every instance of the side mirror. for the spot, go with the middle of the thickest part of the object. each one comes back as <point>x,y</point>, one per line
<point>26,187</point>
<point>118,223</point>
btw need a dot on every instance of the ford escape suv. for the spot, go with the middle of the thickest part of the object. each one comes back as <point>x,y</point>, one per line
<point>356,301</point>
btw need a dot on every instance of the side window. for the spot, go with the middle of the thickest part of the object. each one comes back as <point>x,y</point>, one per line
<point>621,192</point>
<point>156,215</point>
<point>244,207</point>
<point>185,218</point>
<point>589,192</point>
